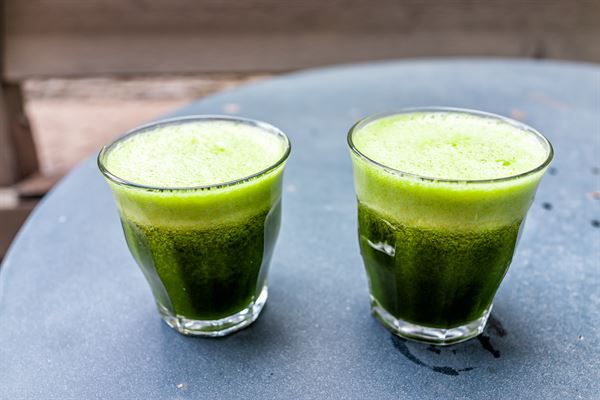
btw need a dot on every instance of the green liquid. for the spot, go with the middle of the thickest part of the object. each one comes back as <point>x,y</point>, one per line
<point>205,252</point>
<point>436,251</point>
<point>434,277</point>
<point>206,274</point>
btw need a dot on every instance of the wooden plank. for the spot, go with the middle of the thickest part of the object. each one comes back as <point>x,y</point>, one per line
<point>276,16</point>
<point>36,186</point>
<point>18,157</point>
<point>67,37</point>
<point>77,56</point>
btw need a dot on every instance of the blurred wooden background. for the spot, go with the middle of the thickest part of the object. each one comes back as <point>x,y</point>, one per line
<point>70,37</point>
<point>227,42</point>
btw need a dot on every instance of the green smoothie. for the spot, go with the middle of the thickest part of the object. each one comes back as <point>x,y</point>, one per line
<point>442,196</point>
<point>200,206</point>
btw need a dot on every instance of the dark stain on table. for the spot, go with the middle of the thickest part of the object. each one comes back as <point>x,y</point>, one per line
<point>401,345</point>
<point>486,343</point>
<point>494,328</point>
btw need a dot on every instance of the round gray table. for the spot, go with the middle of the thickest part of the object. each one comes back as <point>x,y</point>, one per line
<point>77,319</point>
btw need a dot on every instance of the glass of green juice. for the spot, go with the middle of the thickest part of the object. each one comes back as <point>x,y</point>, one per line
<point>200,204</point>
<point>442,196</point>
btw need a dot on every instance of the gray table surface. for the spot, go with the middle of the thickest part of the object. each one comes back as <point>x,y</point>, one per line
<point>77,319</point>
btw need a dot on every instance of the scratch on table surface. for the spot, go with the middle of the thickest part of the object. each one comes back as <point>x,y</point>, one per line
<point>517,114</point>
<point>231,108</point>
<point>548,101</point>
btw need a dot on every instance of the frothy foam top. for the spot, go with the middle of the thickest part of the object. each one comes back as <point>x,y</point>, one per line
<point>456,148</point>
<point>195,153</point>
<point>446,145</point>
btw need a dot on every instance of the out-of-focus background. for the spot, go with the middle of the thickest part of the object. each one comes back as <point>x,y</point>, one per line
<point>75,73</point>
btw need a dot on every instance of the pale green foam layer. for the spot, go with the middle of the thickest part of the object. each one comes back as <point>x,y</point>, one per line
<point>454,205</point>
<point>200,208</point>
<point>194,154</point>
<point>205,153</point>
<point>447,145</point>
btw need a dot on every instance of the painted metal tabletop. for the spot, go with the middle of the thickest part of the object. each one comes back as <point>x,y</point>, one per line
<point>77,319</point>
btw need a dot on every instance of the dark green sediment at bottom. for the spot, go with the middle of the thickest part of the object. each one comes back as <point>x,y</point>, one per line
<point>206,274</point>
<point>434,277</point>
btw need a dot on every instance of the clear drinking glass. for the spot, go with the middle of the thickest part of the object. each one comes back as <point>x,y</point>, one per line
<point>436,250</point>
<point>205,251</point>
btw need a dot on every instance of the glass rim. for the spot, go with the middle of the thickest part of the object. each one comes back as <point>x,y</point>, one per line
<point>456,110</point>
<point>268,128</point>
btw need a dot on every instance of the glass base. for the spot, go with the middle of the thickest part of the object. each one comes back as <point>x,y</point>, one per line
<point>425,334</point>
<point>217,327</point>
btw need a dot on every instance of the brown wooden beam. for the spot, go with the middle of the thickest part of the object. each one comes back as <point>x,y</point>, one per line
<point>92,37</point>
<point>18,156</point>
